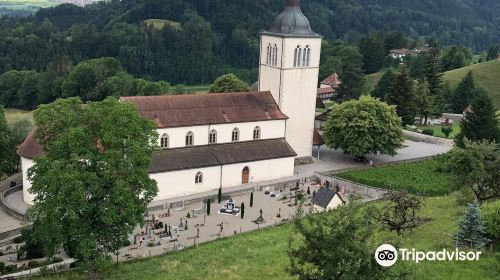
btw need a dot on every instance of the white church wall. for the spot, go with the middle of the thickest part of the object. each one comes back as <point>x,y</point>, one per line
<point>259,171</point>
<point>25,165</point>
<point>177,135</point>
<point>269,130</point>
<point>181,183</point>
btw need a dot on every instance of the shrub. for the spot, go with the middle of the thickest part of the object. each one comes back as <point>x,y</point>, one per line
<point>126,243</point>
<point>208,207</point>
<point>18,239</point>
<point>188,216</point>
<point>447,130</point>
<point>2,267</point>
<point>151,244</point>
<point>465,197</point>
<point>251,199</point>
<point>242,210</point>
<point>33,264</point>
<point>428,131</point>
<point>490,211</point>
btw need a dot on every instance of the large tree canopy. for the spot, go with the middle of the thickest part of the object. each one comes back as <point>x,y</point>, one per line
<point>364,126</point>
<point>229,83</point>
<point>92,185</point>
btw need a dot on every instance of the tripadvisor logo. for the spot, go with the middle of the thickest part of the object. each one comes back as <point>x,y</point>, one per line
<point>386,255</point>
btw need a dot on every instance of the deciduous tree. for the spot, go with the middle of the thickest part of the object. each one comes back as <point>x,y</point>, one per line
<point>334,245</point>
<point>92,185</point>
<point>401,213</point>
<point>229,83</point>
<point>364,126</point>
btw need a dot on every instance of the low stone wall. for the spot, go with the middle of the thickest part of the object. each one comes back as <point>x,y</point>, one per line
<point>7,208</point>
<point>346,187</point>
<point>419,137</point>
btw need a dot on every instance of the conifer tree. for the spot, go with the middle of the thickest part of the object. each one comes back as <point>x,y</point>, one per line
<point>251,199</point>
<point>424,101</point>
<point>219,195</point>
<point>433,70</point>
<point>471,230</point>
<point>463,94</point>
<point>403,97</point>
<point>480,121</point>
<point>242,210</point>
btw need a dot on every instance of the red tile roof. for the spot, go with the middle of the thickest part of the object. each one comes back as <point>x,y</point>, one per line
<point>30,148</point>
<point>319,103</point>
<point>332,80</point>
<point>201,109</point>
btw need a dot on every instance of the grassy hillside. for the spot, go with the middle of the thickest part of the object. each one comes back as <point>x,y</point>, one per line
<point>486,75</point>
<point>263,254</point>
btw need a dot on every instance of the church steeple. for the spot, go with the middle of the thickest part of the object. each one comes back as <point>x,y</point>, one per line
<point>292,22</point>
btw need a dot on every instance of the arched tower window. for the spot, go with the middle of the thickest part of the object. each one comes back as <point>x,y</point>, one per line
<point>212,139</point>
<point>299,57</point>
<point>190,139</point>
<point>256,133</point>
<point>307,54</point>
<point>296,57</point>
<point>268,55</point>
<point>198,179</point>
<point>235,136</point>
<point>164,141</point>
<point>275,57</point>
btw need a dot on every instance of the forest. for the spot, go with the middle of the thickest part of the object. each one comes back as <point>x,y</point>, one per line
<point>195,41</point>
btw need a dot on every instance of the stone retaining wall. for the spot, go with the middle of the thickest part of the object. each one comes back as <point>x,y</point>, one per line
<point>347,187</point>
<point>7,208</point>
<point>419,137</point>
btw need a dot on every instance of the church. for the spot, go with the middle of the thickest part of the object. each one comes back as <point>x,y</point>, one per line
<point>225,140</point>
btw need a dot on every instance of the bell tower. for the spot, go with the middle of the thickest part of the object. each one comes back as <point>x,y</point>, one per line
<point>289,67</point>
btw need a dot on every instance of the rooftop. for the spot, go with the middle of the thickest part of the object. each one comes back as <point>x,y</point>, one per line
<point>201,109</point>
<point>291,22</point>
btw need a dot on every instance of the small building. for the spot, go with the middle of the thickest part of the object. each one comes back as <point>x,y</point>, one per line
<point>326,93</point>
<point>331,81</point>
<point>326,199</point>
<point>399,53</point>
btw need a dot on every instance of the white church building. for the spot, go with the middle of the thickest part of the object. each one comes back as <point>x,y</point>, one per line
<point>225,140</point>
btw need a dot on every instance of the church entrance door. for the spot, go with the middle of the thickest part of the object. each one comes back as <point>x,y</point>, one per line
<point>245,175</point>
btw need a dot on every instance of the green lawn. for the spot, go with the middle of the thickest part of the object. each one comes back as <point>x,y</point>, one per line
<point>437,130</point>
<point>419,178</point>
<point>13,115</point>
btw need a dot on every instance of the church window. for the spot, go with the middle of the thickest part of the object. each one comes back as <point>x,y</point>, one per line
<point>275,57</point>
<point>296,56</point>
<point>256,133</point>
<point>212,139</point>
<point>235,136</point>
<point>198,178</point>
<point>189,139</point>
<point>164,141</point>
<point>307,55</point>
<point>299,57</point>
<point>268,55</point>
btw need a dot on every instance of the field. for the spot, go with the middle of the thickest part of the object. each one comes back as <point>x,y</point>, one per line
<point>12,115</point>
<point>486,75</point>
<point>372,79</point>
<point>419,178</point>
<point>162,23</point>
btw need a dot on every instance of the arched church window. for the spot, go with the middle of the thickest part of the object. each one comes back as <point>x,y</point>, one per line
<point>308,56</point>
<point>198,178</point>
<point>164,141</point>
<point>296,57</point>
<point>235,136</point>
<point>268,55</point>
<point>256,133</point>
<point>275,57</point>
<point>299,58</point>
<point>190,139</point>
<point>305,58</point>
<point>212,139</point>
